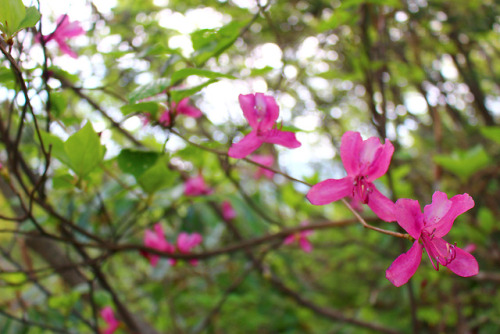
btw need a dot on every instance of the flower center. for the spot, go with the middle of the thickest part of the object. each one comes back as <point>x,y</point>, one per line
<point>362,189</point>
<point>438,249</point>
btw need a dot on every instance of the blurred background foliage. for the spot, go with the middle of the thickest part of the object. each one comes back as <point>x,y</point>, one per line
<point>422,73</point>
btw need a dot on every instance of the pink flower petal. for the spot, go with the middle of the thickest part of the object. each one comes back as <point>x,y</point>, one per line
<point>271,111</point>
<point>184,108</point>
<point>409,216</point>
<point>65,48</point>
<point>330,190</point>
<point>283,138</point>
<point>187,241</point>
<point>109,318</point>
<point>305,244</point>
<point>459,205</point>
<point>382,206</point>
<point>246,146</point>
<point>290,239</point>
<point>165,118</point>
<point>380,164</point>
<point>434,212</point>
<point>247,104</point>
<point>228,211</point>
<point>68,29</point>
<point>266,160</point>
<point>405,265</point>
<point>370,151</point>
<point>350,147</point>
<point>196,186</point>
<point>464,264</point>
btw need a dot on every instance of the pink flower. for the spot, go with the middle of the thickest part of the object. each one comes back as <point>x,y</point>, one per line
<point>183,108</point>
<point>109,318</point>
<point>145,117</point>
<point>427,230</point>
<point>228,211</point>
<point>185,242</point>
<point>64,30</point>
<point>302,238</point>
<point>364,161</point>
<point>196,186</point>
<point>261,112</point>
<point>266,160</point>
<point>157,241</point>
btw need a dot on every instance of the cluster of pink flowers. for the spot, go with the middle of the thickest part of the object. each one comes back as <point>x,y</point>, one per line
<point>364,162</point>
<point>156,239</point>
<point>367,160</point>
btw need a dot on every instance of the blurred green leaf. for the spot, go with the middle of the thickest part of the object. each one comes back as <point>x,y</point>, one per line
<point>209,43</point>
<point>491,132</point>
<point>136,162</point>
<point>12,12</point>
<point>186,72</point>
<point>148,90</point>
<point>156,177</point>
<point>464,163</point>
<point>57,146</point>
<point>178,95</point>
<point>148,107</point>
<point>84,150</point>
<point>30,19</point>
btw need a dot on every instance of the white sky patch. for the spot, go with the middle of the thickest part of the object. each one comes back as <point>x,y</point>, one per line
<point>309,122</point>
<point>415,103</point>
<point>448,69</point>
<point>308,49</point>
<point>220,104</point>
<point>315,149</point>
<point>268,54</point>
<point>192,20</point>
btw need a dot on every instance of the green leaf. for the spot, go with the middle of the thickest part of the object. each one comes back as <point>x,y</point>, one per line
<point>59,102</point>
<point>209,43</point>
<point>148,107</point>
<point>464,163</point>
<point>156,177</point>
<point>149,90</point>
<point>57,146</point>
<point>491,132</point>
<point>12,12</point>
<point>84,150</point>
<point>30,19</point>
<point>178,95</point>
<point>136,162</point>
<point>186,72</point>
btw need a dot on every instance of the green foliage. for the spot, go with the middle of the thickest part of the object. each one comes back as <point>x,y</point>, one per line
<point>464,163</point>
<point>15,17</point>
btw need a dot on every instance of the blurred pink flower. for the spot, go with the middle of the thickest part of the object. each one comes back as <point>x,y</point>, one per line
<point>196,186</point>
<point>156,239</point>
<point>427,229</point>
<point>185,242</point>
<point>364,161</point>
<point>109,318</point>
<point>183,108</point>
<point>470,248</point>
<point>261,112</point>
<point>64,31</point>
<point>228,211</point>
<point>266,160</point>
<point>302,238</point>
